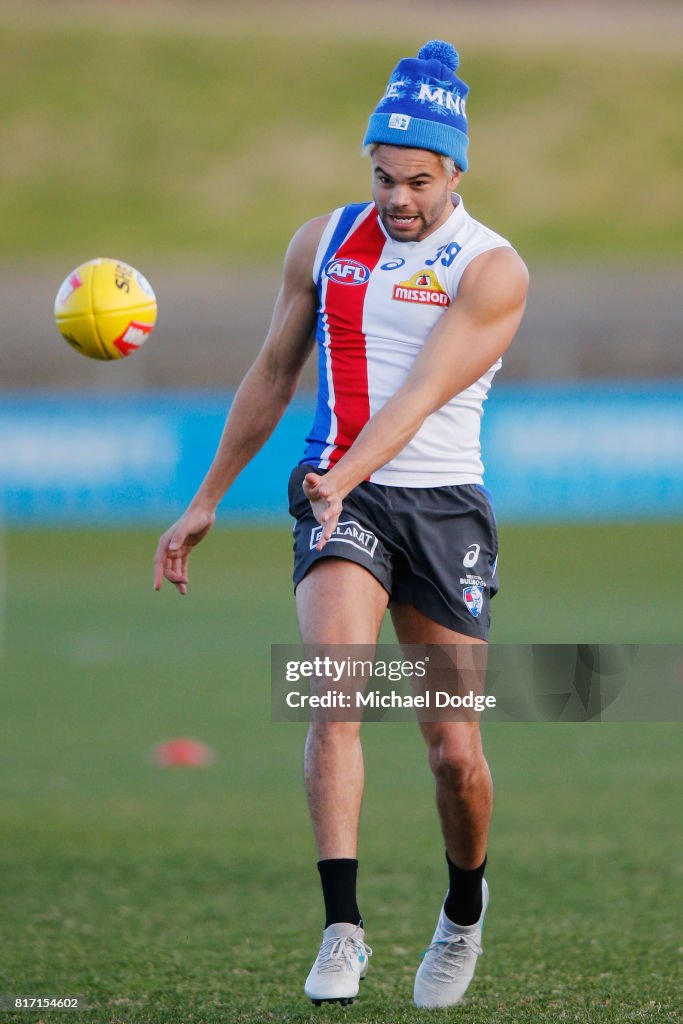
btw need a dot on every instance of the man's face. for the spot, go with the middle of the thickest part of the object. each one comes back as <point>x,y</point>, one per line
<point>412,191</point>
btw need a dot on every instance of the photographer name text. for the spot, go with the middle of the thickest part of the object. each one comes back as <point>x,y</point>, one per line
<point>390,699</point>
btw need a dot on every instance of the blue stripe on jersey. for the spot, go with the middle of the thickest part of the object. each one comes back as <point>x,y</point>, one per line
<point>348,215</point>
<point>315,446</point>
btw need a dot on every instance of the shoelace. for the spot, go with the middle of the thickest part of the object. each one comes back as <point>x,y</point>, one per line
<point>338,953</point>
<point>451,954</point>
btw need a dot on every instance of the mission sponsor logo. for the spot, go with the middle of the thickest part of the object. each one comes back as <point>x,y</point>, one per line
<point>346,271</point>
<point>424,288</point>
<point>348,532</point>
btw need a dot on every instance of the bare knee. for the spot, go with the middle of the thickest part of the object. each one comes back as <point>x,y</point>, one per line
<point>455,760</point>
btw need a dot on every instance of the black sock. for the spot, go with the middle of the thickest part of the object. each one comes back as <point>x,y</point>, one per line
<point>338,877</point>
<point>464,902</point>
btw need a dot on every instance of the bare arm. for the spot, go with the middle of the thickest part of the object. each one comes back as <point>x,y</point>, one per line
<point>464,343</point>
<point>261,399</point>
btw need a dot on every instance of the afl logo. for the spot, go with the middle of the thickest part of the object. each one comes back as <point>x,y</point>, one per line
<point>345,271</point>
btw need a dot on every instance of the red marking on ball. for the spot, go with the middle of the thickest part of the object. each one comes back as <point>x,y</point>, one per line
<point>133,336</point>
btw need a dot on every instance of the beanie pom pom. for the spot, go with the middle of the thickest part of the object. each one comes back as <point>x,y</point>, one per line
<point>439,49</point>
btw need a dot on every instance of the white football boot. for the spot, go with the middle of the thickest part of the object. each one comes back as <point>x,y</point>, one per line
<point>448,963</point>
<point>339,966</point>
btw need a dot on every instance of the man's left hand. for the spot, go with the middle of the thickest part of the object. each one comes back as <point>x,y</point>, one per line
<point>326,504</point>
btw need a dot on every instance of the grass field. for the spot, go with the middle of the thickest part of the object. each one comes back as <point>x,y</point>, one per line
<point>191,897</point>
<point>213,138</point>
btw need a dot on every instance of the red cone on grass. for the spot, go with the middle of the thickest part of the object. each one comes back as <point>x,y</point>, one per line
<point>183,753</point>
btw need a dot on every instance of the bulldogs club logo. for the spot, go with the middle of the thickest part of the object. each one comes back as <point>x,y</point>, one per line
<point>474,600</point>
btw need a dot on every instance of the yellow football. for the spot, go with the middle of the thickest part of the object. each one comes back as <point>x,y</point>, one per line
<point>105,309</point>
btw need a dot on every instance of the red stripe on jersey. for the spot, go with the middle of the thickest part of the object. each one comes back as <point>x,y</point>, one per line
<point>344,308</point>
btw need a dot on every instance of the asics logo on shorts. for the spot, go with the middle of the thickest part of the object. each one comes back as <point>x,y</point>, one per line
<point>471,556</point>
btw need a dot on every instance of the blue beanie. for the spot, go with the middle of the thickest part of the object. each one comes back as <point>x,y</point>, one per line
<point>424,105</point>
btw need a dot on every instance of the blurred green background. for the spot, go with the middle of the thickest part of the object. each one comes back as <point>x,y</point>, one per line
<point>211,131</point>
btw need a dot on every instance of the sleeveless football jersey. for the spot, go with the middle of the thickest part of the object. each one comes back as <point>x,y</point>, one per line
<point>378,301</point>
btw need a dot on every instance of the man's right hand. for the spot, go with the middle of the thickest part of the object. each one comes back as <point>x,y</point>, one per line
<point>261,399</point>
<point>175,545</point>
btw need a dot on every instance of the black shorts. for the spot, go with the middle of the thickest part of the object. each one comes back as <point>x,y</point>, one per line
<point>435,548</point>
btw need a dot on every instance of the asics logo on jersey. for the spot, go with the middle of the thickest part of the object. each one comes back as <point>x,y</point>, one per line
<point>346,271</point>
